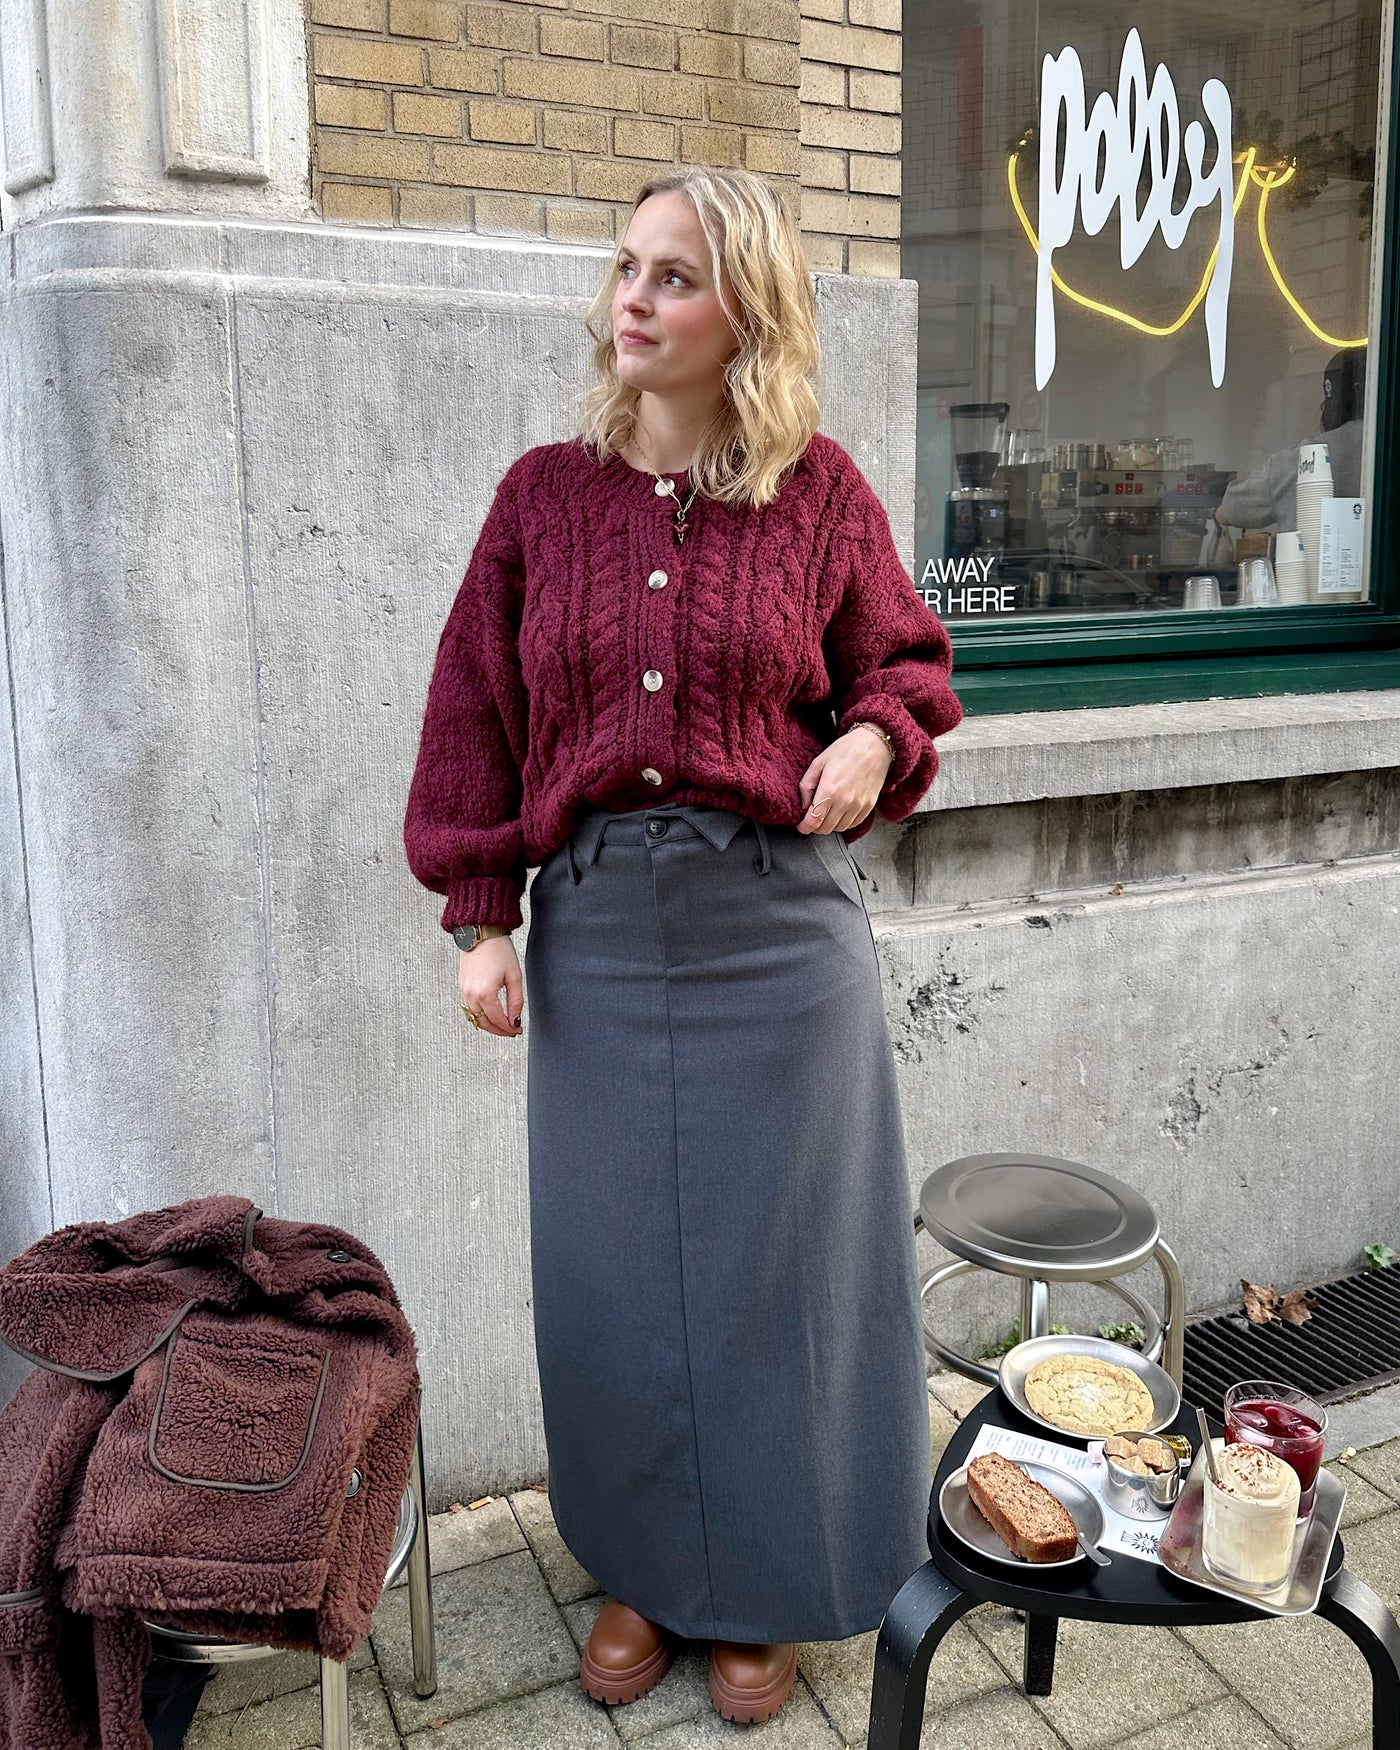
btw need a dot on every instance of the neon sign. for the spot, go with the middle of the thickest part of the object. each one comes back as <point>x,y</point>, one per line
<point>1250,175</point>
<point>1139,131</point>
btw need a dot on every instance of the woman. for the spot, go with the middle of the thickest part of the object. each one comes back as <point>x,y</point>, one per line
<point>636,689</point>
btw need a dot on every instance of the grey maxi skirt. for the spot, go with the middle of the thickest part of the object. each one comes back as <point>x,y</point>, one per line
<point>726,1307</point>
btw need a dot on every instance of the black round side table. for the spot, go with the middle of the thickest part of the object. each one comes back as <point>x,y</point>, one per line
<point>956,1580</point>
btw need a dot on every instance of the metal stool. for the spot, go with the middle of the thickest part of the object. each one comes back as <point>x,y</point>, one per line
<point>1047,1220</point>
<point>411,1548</point>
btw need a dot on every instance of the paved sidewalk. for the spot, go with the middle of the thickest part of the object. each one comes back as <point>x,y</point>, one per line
<point>514,1608</point>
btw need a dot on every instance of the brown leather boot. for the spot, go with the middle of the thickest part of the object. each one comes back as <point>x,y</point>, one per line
<point>748,1682</point>
<point>626,1655</point>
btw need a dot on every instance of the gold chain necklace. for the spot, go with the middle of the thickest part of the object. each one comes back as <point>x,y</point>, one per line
<point>665,488</point>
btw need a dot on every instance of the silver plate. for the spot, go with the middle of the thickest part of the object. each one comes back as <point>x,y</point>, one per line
<point>968,1525</point>
<point>1180,1546</point>
<point>1017,1363</point>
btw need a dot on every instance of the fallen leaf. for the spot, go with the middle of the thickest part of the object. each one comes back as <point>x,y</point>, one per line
<point>1259,1302</point>
<point>1295,1306</point>
<point>1117,887</point>
<point>456,1507</point>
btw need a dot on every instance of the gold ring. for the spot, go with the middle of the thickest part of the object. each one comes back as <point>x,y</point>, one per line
<point>472,1016</point>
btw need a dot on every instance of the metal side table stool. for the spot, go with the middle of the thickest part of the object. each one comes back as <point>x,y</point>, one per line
<point>410,1549</point>
<point>1047,1220</point>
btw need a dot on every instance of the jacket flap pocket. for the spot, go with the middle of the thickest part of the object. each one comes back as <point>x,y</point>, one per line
<point>26,1622</point>
<point>238,1403</point>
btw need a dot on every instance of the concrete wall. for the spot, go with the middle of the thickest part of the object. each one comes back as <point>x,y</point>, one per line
<point>1219,1041</point>
<point>1183,983</point>
<point>25,1211</point>
<point>241,474</point>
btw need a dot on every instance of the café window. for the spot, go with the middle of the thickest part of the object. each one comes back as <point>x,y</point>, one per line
<point>1149,250</point>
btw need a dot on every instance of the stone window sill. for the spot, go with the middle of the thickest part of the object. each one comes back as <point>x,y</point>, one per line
<point>1025,756</point>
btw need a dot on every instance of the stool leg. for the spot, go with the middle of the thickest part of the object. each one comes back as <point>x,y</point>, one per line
<point>1354,1608</point>
<point>920,1614</point>
<point>1038,1661</point>
<point>1173,1310</point>
<point>335,1705</point>
<point>1035,1308</point>
<point>420,1585</point>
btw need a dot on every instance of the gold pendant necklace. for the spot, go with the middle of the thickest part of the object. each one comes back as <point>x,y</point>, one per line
<point>665,488</point>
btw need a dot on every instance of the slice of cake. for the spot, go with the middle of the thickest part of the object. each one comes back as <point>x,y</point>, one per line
<point>1023,1513</point>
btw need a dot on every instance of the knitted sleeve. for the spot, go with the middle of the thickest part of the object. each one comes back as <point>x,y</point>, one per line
<point>462,831</point>
<point>887,652</point>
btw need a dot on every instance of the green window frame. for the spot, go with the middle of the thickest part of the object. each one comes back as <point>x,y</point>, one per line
<point>1134,658</point>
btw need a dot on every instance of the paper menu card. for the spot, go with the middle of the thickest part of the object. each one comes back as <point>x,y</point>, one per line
<point>1132,1537</point>
<point>1343,544</point>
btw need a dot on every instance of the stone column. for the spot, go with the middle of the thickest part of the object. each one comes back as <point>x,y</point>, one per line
<point>173,106</point>
<point>130,879</point>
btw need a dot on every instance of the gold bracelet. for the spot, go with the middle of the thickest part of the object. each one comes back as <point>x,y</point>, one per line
<point>864,724</point>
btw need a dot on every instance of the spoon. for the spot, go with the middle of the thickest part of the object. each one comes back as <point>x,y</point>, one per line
<point>1094,1554</point>
<point>1208,1447</point>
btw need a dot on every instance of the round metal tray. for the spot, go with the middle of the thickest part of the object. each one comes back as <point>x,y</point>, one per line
<point>1017,1363</point>
<point>968,1526</point>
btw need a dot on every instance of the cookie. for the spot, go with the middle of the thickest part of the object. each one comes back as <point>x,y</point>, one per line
<point>1085,1395</point>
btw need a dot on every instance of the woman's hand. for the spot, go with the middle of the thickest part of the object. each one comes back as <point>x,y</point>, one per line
<point>843,782</point>
<point>481,971</point>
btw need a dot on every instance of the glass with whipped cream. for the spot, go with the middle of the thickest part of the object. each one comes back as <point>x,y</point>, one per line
<point>1248,1517</point>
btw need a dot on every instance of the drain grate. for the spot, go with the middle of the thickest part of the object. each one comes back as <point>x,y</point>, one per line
<point>1351,1340</point>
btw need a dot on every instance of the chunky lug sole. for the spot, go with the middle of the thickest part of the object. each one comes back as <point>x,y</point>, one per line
<point>614,1686</point>
<point>749,1706</point>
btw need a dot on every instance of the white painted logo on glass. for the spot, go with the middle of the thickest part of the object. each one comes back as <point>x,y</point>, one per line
<point>1140,131</point>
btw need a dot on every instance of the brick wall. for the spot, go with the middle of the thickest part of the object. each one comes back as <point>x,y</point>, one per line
<point>539,118</point>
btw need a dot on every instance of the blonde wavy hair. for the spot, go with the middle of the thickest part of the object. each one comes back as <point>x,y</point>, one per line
<point>770,408</point>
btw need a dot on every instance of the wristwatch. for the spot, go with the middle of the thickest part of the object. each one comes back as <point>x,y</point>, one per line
<point>467,936</point>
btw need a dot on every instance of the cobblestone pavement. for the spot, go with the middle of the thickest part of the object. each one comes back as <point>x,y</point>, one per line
<point>513,1610</point>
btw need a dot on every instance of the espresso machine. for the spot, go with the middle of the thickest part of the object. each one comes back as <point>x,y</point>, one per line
<point>978,508</point>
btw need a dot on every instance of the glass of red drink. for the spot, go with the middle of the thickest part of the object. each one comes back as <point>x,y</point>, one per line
<point>1281,1419</point>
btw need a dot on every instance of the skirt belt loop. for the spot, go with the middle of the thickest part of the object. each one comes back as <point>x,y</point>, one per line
<point>765,862</point>
<point>574,875</point>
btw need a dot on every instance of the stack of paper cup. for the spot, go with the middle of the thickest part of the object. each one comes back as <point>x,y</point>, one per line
<point>1314,488</point>
<point>1290,568</point>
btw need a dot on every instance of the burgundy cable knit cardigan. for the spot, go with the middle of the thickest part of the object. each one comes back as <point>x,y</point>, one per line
<point>206,1382</point>
<point>761,626</point>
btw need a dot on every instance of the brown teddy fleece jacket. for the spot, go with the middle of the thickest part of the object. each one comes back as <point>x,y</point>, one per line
<point>217,1432</point>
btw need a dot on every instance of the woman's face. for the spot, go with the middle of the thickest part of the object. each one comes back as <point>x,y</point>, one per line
<point>666,293</point>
